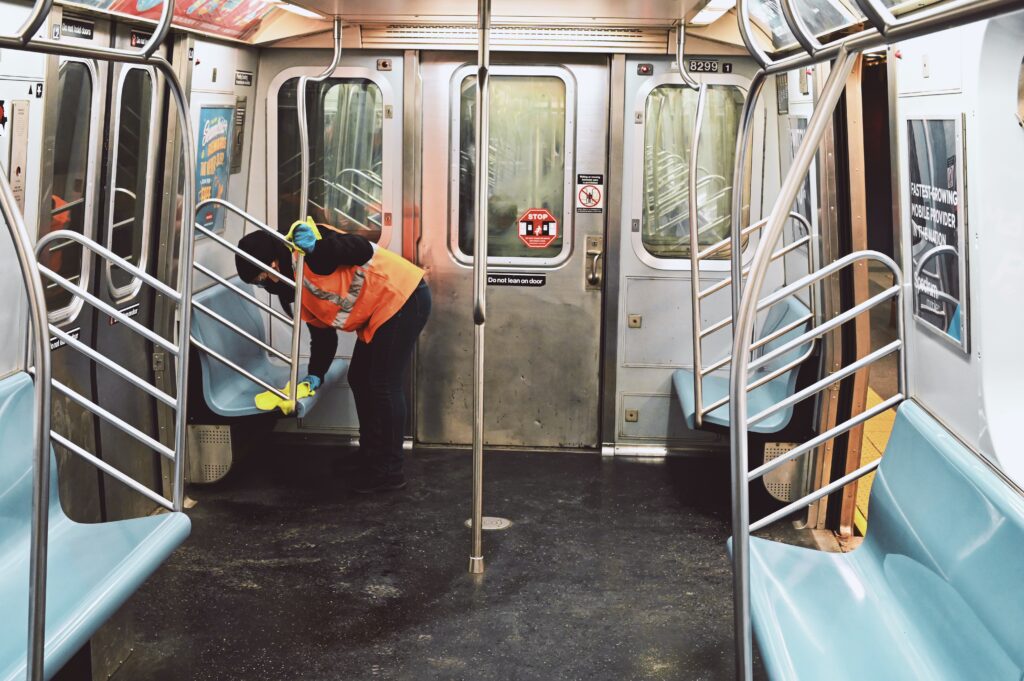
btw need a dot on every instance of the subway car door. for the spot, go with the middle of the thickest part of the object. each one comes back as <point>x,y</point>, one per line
<point>546,170</point>
<point>73,127</point>
<point>355,175</point>
<point>128,226</point>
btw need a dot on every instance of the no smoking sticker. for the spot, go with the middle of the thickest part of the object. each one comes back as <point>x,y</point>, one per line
<point>538,228</point>
<point>589,193</point>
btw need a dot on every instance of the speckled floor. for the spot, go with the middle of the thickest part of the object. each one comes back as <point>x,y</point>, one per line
<point>613,570</point>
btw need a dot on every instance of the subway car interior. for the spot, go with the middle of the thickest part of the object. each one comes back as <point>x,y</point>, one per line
<point>718,379</point>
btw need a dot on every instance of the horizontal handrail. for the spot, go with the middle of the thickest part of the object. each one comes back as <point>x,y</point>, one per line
<point>239,330</point>
<point>806,501</point>
<point>238,251</point>
<point>255,222</point>
<point>830,434</point>
<point>831,268</point>
<point>112,257</point>
<point>116,421</point>
<point>111,471</point>
<point>244,294</point>
<point>825,327</point>
<point>785,250</point>
<point>767,378</point>
<point>113,366</point>
<point>832,378</point>
<point>110,310</point>
<point>764,340</point>
<point>238,369</point>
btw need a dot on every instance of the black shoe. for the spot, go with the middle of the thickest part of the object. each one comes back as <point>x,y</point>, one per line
<point>377,482</point>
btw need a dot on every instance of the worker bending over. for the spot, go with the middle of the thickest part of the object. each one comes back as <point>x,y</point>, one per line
<point>351,284</point>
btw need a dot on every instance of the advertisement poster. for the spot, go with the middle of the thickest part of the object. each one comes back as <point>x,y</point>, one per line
<point>212,165</point>
<point>228,18</point>
<point>937,230</point>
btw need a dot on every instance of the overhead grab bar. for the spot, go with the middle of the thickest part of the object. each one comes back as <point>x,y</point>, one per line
<point>483,104</point>
<point>300,261</point>
<point>688,80</point>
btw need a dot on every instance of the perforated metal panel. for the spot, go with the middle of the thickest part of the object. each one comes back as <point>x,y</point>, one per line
<point>523,38</point>
<point>209,453</point>
<point>788,482</point>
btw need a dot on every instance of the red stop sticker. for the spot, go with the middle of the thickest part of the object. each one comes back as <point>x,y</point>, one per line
<point>538,228</point>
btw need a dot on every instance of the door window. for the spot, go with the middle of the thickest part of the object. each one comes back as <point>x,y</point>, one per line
<point>67,200</point>
<point>528,165</point>
<point>129,213</point>
<point>669,118</point>
<point>346,155</point>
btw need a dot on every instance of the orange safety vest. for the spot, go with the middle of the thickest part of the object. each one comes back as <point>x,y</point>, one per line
<point>359,298</point>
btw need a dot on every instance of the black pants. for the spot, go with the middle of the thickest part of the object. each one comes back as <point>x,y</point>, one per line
<point>376,376</point>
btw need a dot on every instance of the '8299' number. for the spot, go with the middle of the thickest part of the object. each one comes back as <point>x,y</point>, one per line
<point>704,66</point>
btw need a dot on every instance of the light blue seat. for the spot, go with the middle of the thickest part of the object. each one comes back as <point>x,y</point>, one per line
<point>716,386</point>
<point>227,392</point>
<point>92,569</point>
<point>934,592</point>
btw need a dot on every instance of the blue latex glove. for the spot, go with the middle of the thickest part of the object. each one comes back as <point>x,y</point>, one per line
<point>304,238</point>
<point>314,382</point>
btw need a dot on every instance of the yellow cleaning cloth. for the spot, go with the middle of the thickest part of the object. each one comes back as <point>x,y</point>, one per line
<point>291,232</point>
<point>269,401</point>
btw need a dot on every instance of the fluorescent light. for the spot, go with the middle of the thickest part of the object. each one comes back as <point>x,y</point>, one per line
<point>711,12</point>
<point>301,11</point>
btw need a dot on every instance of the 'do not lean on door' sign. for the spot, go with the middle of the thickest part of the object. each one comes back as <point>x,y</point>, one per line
<point>538,228</point>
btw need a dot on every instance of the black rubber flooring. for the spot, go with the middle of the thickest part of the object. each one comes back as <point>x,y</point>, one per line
<point>613,569</point>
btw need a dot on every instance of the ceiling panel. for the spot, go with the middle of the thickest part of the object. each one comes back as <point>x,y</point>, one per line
<point>562,12</point>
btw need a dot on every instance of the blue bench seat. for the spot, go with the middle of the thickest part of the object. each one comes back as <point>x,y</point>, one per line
<point>716,385</point>
<point>934,592</point>
<point>92,568</point>
<point>227,392</point>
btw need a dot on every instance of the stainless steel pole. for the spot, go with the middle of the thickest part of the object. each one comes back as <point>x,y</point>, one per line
<point>743,329</point>
<point>40,427</point>
<point>680,54</point>
<point>476,556</point>
<point>300,95</point>
<point>695,297</point>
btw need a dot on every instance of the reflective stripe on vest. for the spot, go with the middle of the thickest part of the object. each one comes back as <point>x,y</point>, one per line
<point>360,298</point>
<point>345,304</point>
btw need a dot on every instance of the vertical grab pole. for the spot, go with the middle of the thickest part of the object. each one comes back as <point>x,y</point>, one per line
<point>698,379</point>
<point>743,326</point>
<point>476,556</point>
<point>300,101</point>
<point>738,178</point>
<point>41,429</point>
<point>186,255</point>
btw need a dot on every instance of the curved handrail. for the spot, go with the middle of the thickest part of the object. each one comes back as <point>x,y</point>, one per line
<point>688,80</point>
<point>800,30</point>
<point>38,325</point>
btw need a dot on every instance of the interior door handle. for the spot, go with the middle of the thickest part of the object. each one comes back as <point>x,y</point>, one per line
<point>595,251</point>
<point>594,275</point>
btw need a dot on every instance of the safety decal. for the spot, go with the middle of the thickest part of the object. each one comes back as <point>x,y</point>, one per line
<point>589,193</point>
<point>3,115</point>
<point>56,342</point>
<point>538,228</point>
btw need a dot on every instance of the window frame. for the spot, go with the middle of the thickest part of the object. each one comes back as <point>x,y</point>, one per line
<point>70,312</point>
<point>391,142</point>
<point>636,190</point>
<point>124,293</point>
<point>454,130</point>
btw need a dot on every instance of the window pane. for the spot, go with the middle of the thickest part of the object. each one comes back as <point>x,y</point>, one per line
<point>821,16</point>
<point>70,162</point>
<point>346,133</point>
<point>669,117</point>
<point>128,219</point>
<point>526,161</point>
